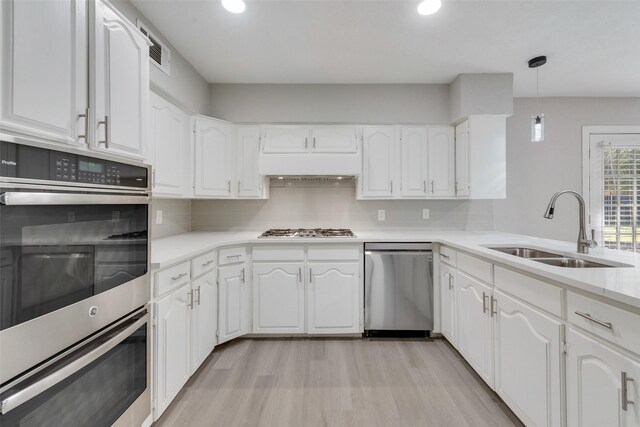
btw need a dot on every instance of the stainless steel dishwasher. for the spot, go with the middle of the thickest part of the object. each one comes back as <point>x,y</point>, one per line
<point>398,289</point>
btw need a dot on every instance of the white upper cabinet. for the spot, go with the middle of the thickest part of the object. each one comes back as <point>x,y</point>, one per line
<point>120,86</point>
<point>462,159</point>
<point>414,149</point>
<point>378,161</point>
<point>44,72</point>
<point>334,139</point>
<point>486,157</point>
<point>278,298</point>
<point>169,147</point>
<point>441,155</point>
<point>250,184</point>
<point>214,158</point>
<point>286,139</point>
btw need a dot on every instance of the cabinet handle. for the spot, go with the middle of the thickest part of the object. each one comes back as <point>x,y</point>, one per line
<point>456,187</point>
<point>587,316</point>
<point>306,143</point>
<point>198,289</point>
<point>310,275</point>
<point>484,302</point>
<point>243,275</point>
<point>179,276</point>
<point>624,380</point>
<point>105,122</point>
<point>229,186</point>
<point>432,187</point>
<point>494,306</point>
<point>314,142</point>
<point>233,256</point>
<point>86,125</point>
<point>208,263</point>
<point>238,186</point>
<point>299,274</point>
<point>450,281</point>
<point>190,304</point>
<point>444,256</point>
<point>424,186</point>
<point>391,185</point>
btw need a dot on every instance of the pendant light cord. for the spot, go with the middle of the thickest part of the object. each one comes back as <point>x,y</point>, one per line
<point>537,91</point>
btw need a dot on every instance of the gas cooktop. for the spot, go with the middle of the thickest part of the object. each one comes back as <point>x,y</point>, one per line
<point>308,232</point>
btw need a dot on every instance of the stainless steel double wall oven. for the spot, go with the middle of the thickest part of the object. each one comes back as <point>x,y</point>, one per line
<point>74,288</point>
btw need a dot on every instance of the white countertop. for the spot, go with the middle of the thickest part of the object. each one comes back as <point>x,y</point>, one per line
<point>619,284</point>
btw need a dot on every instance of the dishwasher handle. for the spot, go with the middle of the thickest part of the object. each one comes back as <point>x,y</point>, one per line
<point>400,252</point>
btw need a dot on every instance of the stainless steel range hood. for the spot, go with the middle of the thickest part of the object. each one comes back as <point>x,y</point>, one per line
<point>309,164</point>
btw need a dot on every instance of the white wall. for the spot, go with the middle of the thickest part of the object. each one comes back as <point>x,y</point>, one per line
<point>537,170</point>
<point>336,206</point>
<point>365,103</point>
<point>185,84</point>
<point>176,217</point>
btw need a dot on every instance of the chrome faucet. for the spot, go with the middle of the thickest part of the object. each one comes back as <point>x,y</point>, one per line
<point>583,243</point>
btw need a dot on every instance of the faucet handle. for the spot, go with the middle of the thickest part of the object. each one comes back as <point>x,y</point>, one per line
<point>592,242</point>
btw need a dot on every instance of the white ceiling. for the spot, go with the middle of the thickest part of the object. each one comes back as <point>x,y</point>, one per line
<point>593,46</point>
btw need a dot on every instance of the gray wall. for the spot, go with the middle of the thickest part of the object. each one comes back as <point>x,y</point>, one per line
<point>336,206</point>
<point>176,217</point>
<point>185,84</point>
<point>537,170</point>
<point>365,103</point>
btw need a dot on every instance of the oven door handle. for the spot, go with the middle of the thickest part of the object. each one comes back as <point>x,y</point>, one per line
<point>14,198</point>
<point>33,390</point>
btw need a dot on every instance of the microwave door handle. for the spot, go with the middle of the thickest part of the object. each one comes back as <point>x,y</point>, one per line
<point>66,371</point>
<point>14,198</point>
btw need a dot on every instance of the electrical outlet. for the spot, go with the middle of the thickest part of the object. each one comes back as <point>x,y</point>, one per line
<point>425,213</point>
<point>382,215</point>
<point>158,217</point>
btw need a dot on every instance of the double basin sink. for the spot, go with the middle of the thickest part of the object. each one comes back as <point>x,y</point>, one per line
<point>550,258</point>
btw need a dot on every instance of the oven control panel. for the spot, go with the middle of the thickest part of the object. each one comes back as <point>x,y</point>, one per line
<point>23,161</point>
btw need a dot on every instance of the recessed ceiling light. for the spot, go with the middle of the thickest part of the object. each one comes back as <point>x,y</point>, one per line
<point>429,7</point>
<point>281,177</point>
<point>234,6</point>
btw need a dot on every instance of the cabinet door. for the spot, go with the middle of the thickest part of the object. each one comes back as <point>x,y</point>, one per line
<point>462,159</point>
<point>333,298</point>
<point>169,147</point>
<point>448,303</point>
<point>213,158</point>
<point>232,294</point>
<point>286,139</point>
<point>441,161</point>
<point>414,161</point>
<point>204,318</point>
<point>43,78</point>
<point>527,361</point>
<point>278,298</point>
<point>377,162</point>
<point>474,325</point>
<point>250,182</point>
<point>120,83</point>
<point>172,344</point>
<point>595,392</point>
<point>334,139</point>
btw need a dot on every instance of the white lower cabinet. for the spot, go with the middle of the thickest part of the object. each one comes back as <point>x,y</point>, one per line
<point>475,325</point>
<point>204,318</point>
<point>527,347</point>
<point>233,294</point>
<point>278,298</point>
<point>173,364</point>
<point>602,384</point>
<point>448,310</point>
<point>333,298</point>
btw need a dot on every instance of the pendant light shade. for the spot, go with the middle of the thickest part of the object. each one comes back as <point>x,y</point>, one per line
<point>537,121</point>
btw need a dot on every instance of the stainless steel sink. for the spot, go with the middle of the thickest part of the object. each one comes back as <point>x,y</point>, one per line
<point>525,252</point>
<point>572,263</point>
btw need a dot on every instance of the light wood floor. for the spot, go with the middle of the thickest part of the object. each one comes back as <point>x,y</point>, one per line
<point>336,382</point>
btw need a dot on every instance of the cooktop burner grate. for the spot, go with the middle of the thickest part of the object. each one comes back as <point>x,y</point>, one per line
<point>308,232</point>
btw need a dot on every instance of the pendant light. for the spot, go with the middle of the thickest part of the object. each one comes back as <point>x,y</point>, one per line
<point>537,121</point>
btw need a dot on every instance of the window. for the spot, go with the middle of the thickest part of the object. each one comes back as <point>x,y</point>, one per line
<point>614,189</point>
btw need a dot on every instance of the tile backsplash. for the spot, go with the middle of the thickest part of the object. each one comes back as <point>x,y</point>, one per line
<point>176,217</point>
<point>335,206</point>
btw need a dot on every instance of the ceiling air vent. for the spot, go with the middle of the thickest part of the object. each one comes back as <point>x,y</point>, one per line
<point>159,54</point>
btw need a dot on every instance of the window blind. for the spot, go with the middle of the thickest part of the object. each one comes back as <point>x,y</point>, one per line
<point>621,198</point>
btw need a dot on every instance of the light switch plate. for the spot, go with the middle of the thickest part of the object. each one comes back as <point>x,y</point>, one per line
<point>425,213</point>
<point>382,215</point>
<point>158,217</point>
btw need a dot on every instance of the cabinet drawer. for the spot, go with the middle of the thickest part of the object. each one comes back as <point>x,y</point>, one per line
<point>535,292</point>
<point>321,252</point>
<point>172,277</point>
<point>278,253</point>
<point>232,255</point>
<point>475,267</point>
<point>606,321</point>
<point>448,255</point>
<point>203,263</point>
